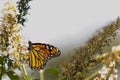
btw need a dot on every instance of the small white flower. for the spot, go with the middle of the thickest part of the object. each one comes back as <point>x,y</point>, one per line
<point>116,48</point>
<point>99,72</point>
<point>111,77</point>
<point>112,64</point>
<point>116,76</point>
<point>104,70</point>
<point>96,78</point>
<point>104,67</point>
<point>108,69</point>
<point>103,76</point>
<point>113,48</point>
<point>115,70</point>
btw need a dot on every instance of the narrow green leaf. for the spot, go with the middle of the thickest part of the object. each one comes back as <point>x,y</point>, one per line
<point>1,59</point>
<point>12,75</point>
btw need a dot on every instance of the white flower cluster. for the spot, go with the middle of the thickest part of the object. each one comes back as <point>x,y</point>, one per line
<point>113,77</point>
<point>114,48</point>
<point>112,64</point>
<point>105,70</point>
<point>9,8</point>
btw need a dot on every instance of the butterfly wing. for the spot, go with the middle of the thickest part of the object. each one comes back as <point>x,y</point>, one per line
<point>36,59</point>
<point>51,51</point>
<point>40,53</point>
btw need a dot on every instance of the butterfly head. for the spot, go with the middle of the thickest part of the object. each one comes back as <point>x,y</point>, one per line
<point>30,45</point>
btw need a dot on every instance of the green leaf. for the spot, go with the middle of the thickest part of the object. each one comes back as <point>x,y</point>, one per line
<point>12,75</point>
<point>36,79</point>
<point>2,66</point>
<point>1,59</point>
<point>29,77</point>
<point>52,71</point>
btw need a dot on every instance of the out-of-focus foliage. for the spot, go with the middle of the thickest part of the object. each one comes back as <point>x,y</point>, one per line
<point>85,57</point>
<point>23,7</point>
<point>51,72</point>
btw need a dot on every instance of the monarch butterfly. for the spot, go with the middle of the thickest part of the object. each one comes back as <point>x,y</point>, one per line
<point>40,53</point>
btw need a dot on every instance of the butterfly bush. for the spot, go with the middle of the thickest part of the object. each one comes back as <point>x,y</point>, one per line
<point>110,71</point>
<point>105,71</point>
<point>93,53</point>
<point>10,32</point>
<point>10,41</point>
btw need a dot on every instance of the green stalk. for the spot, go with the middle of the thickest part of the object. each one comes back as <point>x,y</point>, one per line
<point>24,71</point>
<point>41,74</point>
<point>1,72</point>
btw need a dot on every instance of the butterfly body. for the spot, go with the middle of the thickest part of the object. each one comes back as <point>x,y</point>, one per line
<point>40,53</point>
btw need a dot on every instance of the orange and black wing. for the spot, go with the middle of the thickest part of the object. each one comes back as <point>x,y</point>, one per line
<point>40,53</point>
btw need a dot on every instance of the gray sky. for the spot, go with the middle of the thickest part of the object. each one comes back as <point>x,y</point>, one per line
<point>63,22</point>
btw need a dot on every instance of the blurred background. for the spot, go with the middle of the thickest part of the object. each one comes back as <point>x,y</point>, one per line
<point>67,23</point>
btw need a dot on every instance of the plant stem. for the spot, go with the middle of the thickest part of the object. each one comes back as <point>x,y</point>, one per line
<point>41,74</point>
<point>24,71</point>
